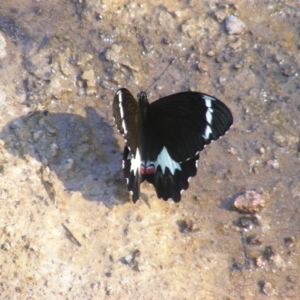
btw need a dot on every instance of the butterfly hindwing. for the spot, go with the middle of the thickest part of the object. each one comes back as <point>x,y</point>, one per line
<point>170,183</point>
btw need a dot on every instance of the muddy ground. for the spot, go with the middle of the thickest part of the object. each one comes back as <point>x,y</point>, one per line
<point>68,227</point>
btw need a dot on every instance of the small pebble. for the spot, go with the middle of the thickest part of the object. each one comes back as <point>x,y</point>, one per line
<point>234,25</point>
<point>268,289</point>
<point>202,67</point>
<point>246,223</point>
<point>262,150</point>
<point>250,201</point>
<point>220,15</point>
<point>288,71</point>
<point>269,253</point>
<point>69,164</point>
<point>289,241</point>
<point>148,44</point>
<point>273,163</point>
<point>211,53</point>
<point>187,226</point>
<point>278,261</point>
<point>89,77</point>
<point>36,135</point>
<point>259,261</point>
<point>54,149</point>
<point>279,139</point>
<point>254,240</point>
<point>9,230</point>
<point>292,279</point>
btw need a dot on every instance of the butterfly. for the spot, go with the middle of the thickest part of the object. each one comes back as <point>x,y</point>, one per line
<point>163,138</point>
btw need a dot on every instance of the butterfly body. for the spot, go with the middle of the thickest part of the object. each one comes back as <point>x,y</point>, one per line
<point>163,139</point>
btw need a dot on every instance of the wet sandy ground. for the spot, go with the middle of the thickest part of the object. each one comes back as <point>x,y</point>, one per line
<point>68,227</point>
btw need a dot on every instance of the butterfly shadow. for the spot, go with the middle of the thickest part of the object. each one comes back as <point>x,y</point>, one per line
<point>81,151</point>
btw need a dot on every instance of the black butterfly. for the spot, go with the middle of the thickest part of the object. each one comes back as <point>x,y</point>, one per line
<point>163,139</point>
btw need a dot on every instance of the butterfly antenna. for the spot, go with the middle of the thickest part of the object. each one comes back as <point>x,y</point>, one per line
<point>128,77</point>
<point>161,74</point>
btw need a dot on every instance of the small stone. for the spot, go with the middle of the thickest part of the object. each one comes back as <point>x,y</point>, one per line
<point>211,53</point>
<point>262,150</point>
<point>292,279</point>
<point>187,226</point>
<point>222,80</point>
<point>259,261</point>
<point>237,66</point>
<point>148,44</point>
<point>36,135</point>
<point>289,241</point>
<point>202,67</point>
<point>273,163</point>
<point>278,261</point>
<point>51,131</point>
<point>232,151</point>
<point>45,162</point>
<point>246,223</point>
<point>54,149</point>
<point>269,253</point>
<point>6,246</point>
<point>98,16</point>
<point>279,139</point>
<point>251,201</point>
<point>268,289</point>
<point>166,20</point>
<point>69,164</point>
<point>190,28</point>
<point>128,259</point>
<point>114,53</point>
<point>90,78</point>
<point>9,230</point>
<point>254,240</point>
<point>220,15</point>
<point>256,169</point>
<point>234,25</point>
<point>236,44</point>
<point>288,71</point>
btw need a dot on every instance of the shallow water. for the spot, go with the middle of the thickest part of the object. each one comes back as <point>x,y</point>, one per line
<point>61,156</point>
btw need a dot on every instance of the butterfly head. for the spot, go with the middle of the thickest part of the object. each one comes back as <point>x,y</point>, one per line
<point>143,98</point>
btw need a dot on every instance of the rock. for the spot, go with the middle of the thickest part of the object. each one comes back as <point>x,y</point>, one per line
<point>90,78</point>
<point>234,25</point>
<point>251,201</point>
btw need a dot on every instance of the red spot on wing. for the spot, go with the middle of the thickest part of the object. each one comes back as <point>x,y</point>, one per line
<point>148,170</point>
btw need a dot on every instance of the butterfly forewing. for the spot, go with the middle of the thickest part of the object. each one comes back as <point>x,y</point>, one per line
<point>188,121</point>
<point>127,116</point>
